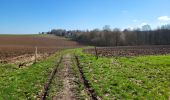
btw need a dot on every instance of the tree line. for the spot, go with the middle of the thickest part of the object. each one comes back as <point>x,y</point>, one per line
<point>116,37</point>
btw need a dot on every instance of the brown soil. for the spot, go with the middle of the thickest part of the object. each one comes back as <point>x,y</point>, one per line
<point>31,41</point>
<point>17,45</point>
<point>130,50</point>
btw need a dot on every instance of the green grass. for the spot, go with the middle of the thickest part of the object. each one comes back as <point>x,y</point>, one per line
<point>143,77</point>
<point>25,83</point>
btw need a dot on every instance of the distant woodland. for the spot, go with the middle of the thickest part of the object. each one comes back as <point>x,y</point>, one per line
<point>117,37</point>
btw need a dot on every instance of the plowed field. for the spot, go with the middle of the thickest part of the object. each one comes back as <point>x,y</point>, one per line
<point>17,45</point>
<point>129,50</point>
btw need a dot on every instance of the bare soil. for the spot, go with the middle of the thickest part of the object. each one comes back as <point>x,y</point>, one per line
<point>67,92</point>
<point>130,50</point>
<point>23,46</point>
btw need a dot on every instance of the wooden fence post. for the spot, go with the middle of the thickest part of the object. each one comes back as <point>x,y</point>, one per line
<point>35,55</point>
<point>96,52</point>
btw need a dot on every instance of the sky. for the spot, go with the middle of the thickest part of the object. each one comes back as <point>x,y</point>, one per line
<point>33,16</point>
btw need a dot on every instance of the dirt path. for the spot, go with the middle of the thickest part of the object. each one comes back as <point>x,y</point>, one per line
<point>67,91</point>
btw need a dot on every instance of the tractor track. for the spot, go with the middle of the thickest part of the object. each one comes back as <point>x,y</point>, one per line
<point>43,95</point>
<point>85,82</point>
<point>67,92</point>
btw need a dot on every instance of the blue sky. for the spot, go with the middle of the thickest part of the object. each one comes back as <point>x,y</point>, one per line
<point>33,16</point>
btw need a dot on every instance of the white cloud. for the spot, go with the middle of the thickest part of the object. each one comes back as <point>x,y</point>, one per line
<point>164,18</point>
<point>144,23</point>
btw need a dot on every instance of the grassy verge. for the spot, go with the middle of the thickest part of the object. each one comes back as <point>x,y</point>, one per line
<point>27,82</point>
<point>143,77</point>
